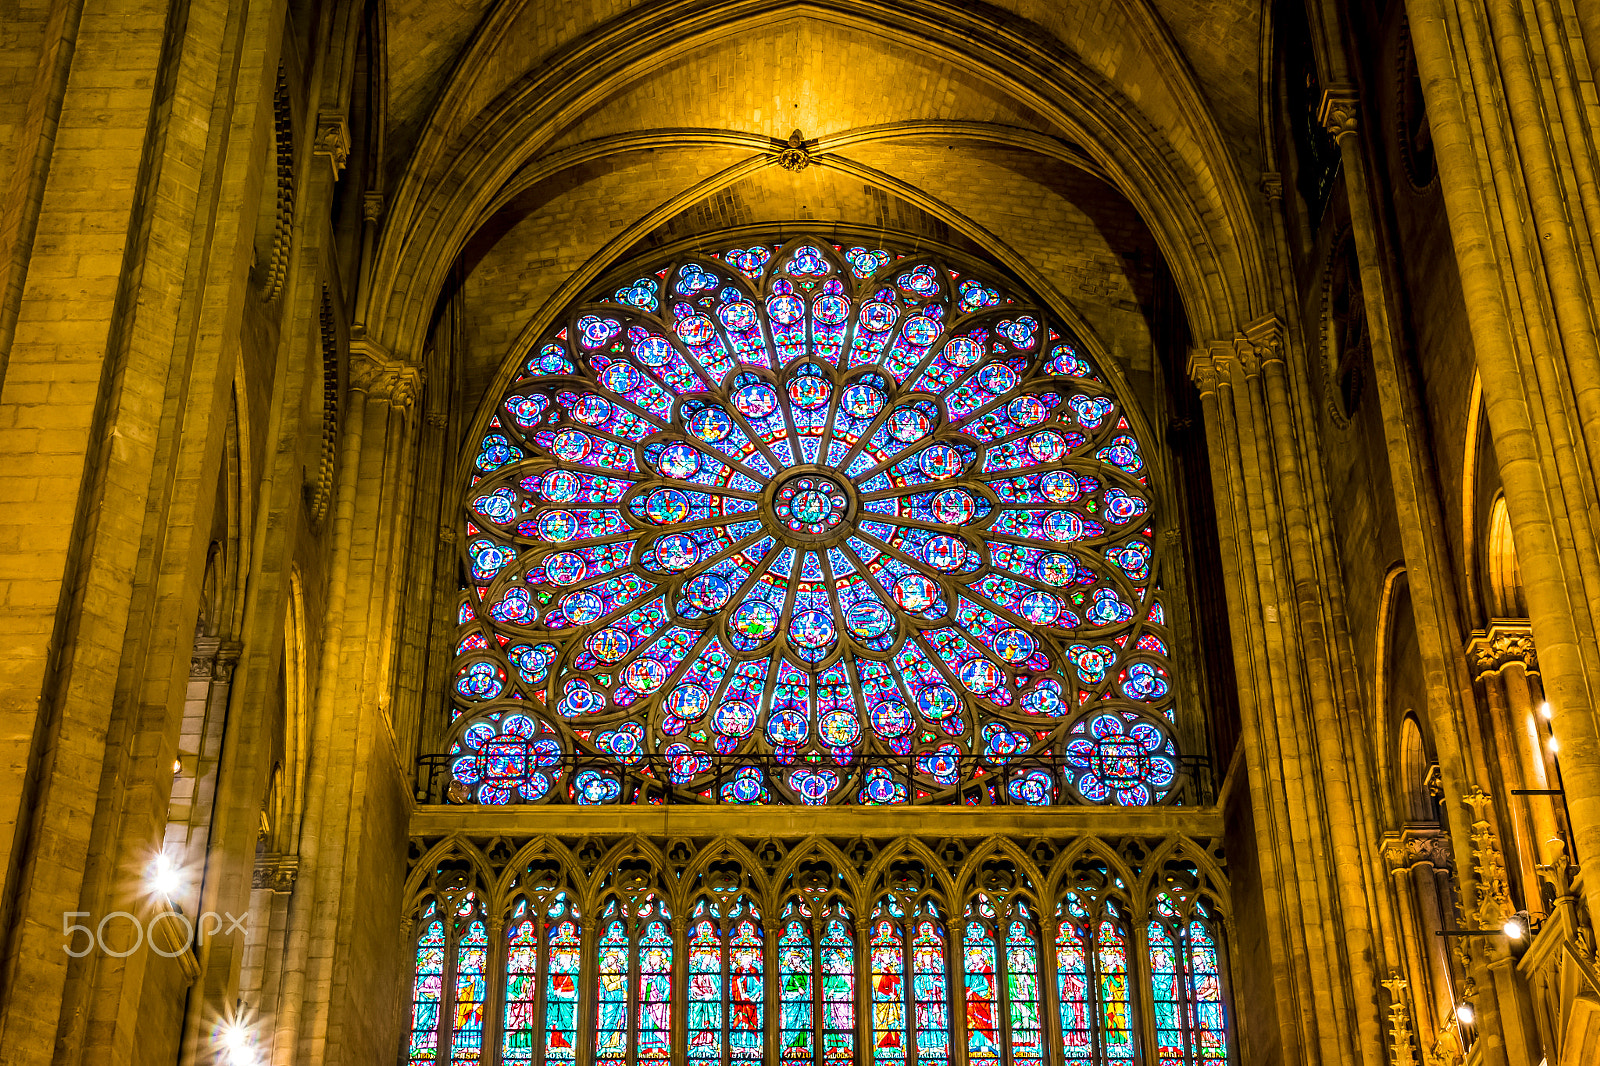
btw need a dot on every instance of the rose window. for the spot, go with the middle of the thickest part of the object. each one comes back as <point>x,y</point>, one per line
<point>813,523</point>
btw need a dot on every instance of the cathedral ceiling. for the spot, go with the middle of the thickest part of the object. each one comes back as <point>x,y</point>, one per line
<point>537,140</point>
<point>1141,47</point>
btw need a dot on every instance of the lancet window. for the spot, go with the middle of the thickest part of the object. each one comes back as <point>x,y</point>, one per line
<point>817,976</point>
<point>726,983</point>
<point>1001,967</point>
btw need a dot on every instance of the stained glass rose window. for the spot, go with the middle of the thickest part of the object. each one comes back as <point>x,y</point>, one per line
<point>814,523</point>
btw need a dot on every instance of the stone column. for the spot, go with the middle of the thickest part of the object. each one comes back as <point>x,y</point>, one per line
<point>771,988</point>
<point>1502,657</point>
<point>864,990</point>
<point>1517,164</point>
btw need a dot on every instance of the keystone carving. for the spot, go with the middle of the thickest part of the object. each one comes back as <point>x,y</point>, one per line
<point>794,154</point>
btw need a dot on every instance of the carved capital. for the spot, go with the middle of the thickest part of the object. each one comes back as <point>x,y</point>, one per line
<point>333,140</point>
<point>447,534</point>
<point>1505,642</point>
<point>1204,370</point>
<point>795,153</point>
<point>1338,110</point>
<point>1261,343</point>
<point>226,659</point>
<point>1272,186</point>
<point>275,872</point>
<point>380,376</point>
<point>1394,853</point>
<point>371,206</point>
<point>437,420</point>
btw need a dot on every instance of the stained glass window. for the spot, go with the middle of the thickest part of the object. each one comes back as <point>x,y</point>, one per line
<point>566,979</point>
<point>1000,952</point>
<point>1092,989</point>
<point>726,983</point>
<point>797,987</point>
<point>837,966</point>
<point>911,990</point>
<point>1191,1029</point>
<point>471,987</point>
<point>634,984</point>
<point>812,523</point>
<point>816,975</point>
<point>542,965</point>
<point>427,990</point>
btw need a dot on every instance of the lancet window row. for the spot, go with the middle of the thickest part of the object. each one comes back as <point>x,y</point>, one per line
<point>809,970</point>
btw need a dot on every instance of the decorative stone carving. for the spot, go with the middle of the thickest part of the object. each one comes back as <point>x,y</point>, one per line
<point>1400,1040</point>
<point>1338,110</point>
<point>382,377</point>
<point>1203,370</point>
<point>371,206</point>
<point>794,154</point>
<point>333,140</point>
<point>277,268</point>
<point>1505,642</point>
<point>1260,343</point>
<point>275,872</point>
<point>1493,900</point>
<point>1272,186</point>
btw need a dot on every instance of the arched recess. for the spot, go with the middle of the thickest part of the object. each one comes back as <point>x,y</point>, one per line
<point>1192,198</point>
<point>1502,574</point>
<point>1398,699</point>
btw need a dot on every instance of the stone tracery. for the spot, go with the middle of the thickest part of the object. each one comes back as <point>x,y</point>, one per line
<point>819,523</point>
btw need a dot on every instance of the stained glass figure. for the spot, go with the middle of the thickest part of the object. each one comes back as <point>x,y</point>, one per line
<point>727,989</point>
<point>771,521</point>
<point>1000,966</point>
<point>471,986</point>
<point>1092,983</point>
<point>816,981</point>
<point>633,1002</point>
<point>1186,987</point>
<point>544,953</point>
<point>797,991</point>
<point>427,990</point>
<point>911,991</point>
<point>836,958</point>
